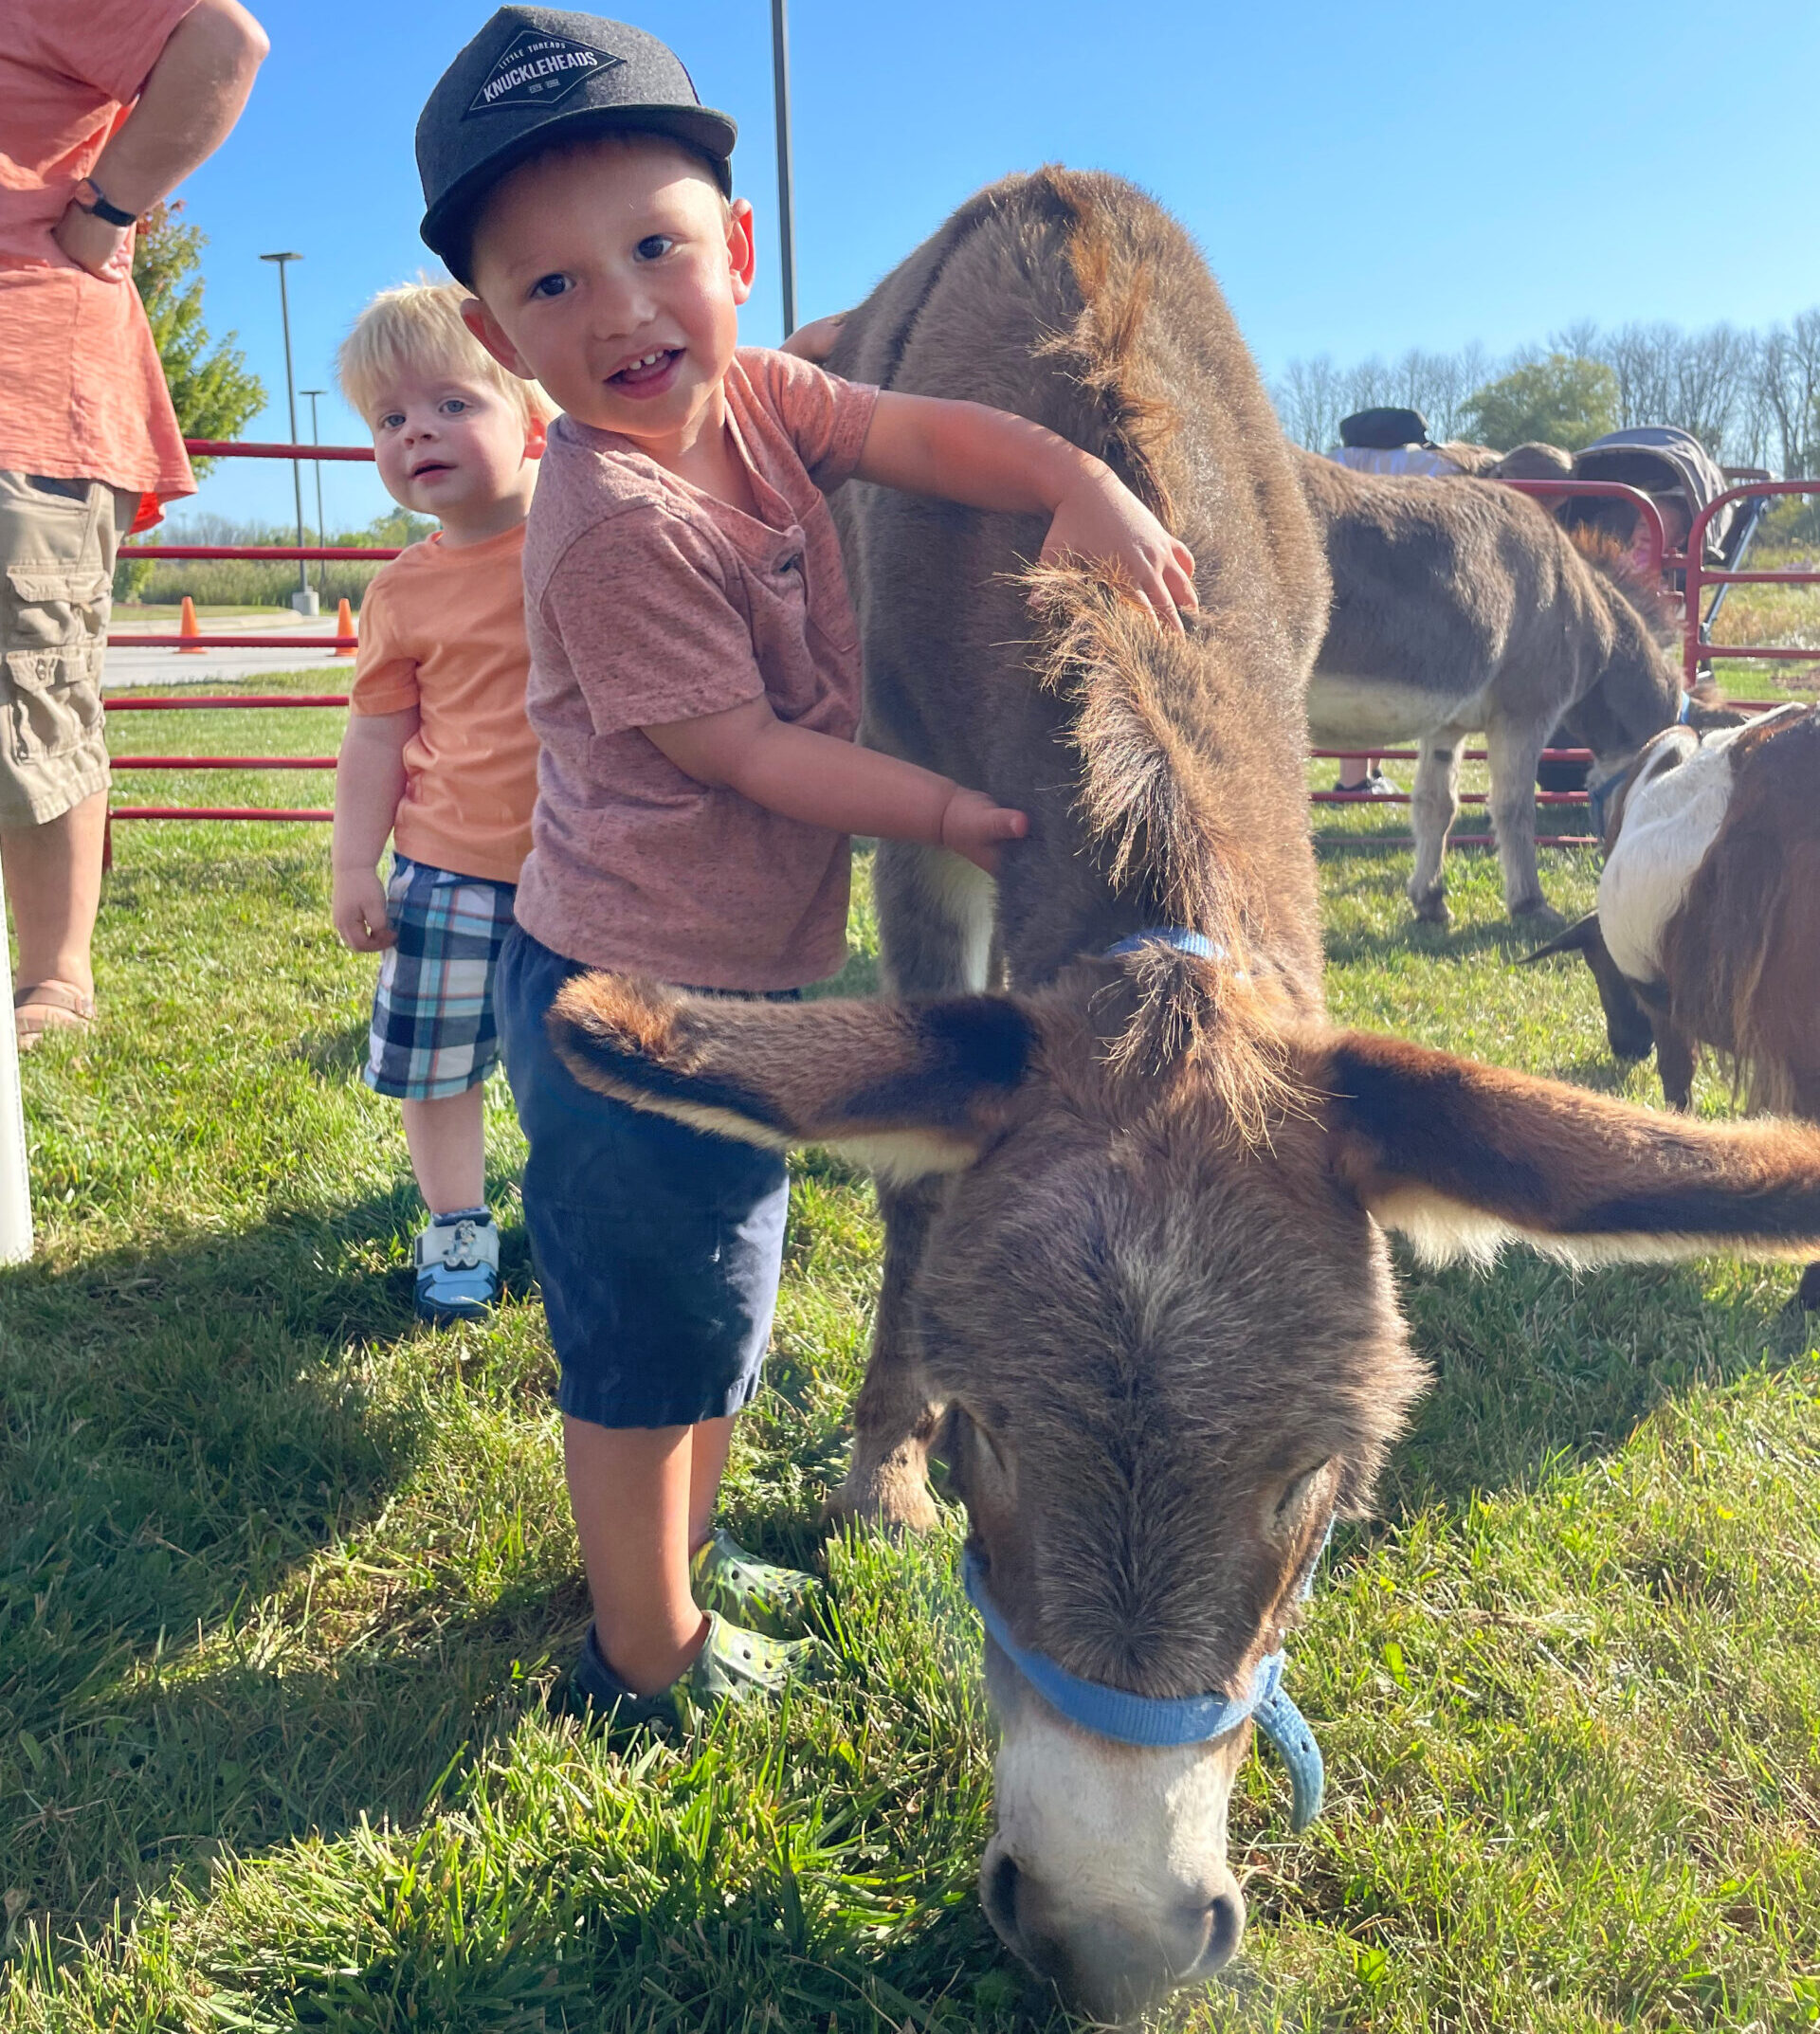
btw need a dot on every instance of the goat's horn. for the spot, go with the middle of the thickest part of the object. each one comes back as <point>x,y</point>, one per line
<point>1577,939</point>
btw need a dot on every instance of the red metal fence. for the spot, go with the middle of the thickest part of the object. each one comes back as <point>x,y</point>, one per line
<point>1696,629</point>
<point>276,553</point>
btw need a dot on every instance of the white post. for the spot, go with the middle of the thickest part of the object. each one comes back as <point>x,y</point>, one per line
<point>15,1186</point>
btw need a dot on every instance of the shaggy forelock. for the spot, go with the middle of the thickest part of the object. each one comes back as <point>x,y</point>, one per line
<point>1170,1350</point>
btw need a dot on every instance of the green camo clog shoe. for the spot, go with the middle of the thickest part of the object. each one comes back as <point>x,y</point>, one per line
<point>752,1594</point>
<point>736,1665</point>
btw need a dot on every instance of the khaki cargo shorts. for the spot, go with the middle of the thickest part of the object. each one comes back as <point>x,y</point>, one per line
<point>58,541</point>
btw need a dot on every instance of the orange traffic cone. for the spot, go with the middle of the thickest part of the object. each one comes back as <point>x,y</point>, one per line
<point>344,625</point>
<point>187,628</point>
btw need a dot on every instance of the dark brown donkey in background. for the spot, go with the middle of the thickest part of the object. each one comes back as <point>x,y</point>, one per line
<point>1133,1203</point>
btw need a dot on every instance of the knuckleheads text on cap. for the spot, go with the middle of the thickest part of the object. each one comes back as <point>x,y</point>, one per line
<point>539,69</point>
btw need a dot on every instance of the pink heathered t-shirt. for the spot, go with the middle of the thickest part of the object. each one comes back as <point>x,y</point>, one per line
<point>647,601</point>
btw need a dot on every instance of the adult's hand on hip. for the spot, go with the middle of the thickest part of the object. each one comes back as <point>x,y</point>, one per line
<point>104,250</point>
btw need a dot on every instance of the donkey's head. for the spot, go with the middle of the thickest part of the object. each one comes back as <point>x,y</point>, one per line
<point>1169,1347</point>
<point>1633,633</point>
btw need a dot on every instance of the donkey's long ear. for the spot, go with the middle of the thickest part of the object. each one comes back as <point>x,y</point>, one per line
<point>903,1089</point>
<point>1464,1159</point>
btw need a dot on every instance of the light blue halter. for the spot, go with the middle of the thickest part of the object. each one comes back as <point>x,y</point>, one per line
<point>1152,1721</point>
<point>1599,795</point>
<point>1198,944</point>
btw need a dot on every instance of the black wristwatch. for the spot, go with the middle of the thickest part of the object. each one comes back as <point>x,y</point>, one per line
<point>100,207</point>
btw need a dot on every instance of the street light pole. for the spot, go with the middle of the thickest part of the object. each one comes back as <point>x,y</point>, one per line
<point>786,211</point>
<point>321,528</point>
<point>300,601</point>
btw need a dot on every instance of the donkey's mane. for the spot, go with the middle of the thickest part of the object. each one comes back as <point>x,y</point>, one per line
<point>1147,796</point>
<point>1610,562</point>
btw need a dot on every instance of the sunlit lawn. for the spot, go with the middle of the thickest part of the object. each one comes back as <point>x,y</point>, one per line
<point>285,1580</point>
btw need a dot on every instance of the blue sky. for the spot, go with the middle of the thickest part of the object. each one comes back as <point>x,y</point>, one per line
<point>1364,179</point>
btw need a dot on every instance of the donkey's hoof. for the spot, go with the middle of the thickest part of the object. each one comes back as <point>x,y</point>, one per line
<point>1431,909</point>
<point>894,1496</point>
<point>1538,916</point>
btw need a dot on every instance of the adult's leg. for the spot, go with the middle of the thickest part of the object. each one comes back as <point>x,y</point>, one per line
<point>57,540</point>
<point>53,876</point>
<point>1357,772</point>
<point>936,938</point>
<point>447,1140</point>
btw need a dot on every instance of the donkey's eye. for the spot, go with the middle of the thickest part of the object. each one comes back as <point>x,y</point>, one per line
<point>991,1447</point>
<point>1297,1492</point>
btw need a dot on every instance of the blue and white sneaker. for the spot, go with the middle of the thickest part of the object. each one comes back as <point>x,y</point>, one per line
<point>458,1266</point>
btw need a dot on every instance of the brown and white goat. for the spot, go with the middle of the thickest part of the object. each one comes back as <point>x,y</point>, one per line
<point>1707,931</point>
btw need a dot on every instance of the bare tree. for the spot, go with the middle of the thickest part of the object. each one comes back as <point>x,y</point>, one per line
<point>1748,398</point>
<point>1579,341</point>
<point>1641,358</point>
<point>1368,386</point>
<point>1309,402</point>
<point>1711,371</point>
<point>1788,389</point>
<point>1439,383</point>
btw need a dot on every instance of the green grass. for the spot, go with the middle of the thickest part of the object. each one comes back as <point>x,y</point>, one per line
<point>285,1580</point>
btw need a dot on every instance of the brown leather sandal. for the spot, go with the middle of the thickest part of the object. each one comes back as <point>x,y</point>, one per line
<point>42,1006</point>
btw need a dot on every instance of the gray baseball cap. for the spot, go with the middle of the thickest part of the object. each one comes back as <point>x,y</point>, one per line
<point>534,75</point>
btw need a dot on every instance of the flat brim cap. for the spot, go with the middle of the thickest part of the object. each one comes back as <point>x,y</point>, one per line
<point>535,75</point>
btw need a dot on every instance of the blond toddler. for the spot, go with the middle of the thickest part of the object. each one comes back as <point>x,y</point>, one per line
<point>439,756</point>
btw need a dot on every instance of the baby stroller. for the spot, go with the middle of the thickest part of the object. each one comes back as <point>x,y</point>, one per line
<point>1681,476</point>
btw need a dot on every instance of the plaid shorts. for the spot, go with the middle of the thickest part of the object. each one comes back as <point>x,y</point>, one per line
<point>433,1031</point>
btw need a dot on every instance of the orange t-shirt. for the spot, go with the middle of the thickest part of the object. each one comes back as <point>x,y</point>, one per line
<point>442,628</point>
<point>83,397</point>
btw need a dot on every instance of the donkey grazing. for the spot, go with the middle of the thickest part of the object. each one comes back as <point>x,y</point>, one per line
<point>1461,606</point>
<point>1135,1266</point>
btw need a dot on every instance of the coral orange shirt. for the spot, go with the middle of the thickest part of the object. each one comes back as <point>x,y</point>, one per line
<point>83,397</point>
<point>442,628</point>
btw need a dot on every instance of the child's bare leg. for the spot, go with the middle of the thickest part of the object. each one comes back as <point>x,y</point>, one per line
<point>448,1144</point>
<point>709,1443</point>
<point>631,1489</point>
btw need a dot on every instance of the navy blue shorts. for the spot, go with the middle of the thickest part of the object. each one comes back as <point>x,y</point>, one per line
<point>657,1246</point>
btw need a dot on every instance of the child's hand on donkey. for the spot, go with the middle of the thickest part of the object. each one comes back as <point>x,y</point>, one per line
<point>1102,522</point>
<point>973,825</point>
<point>358,909</point>
<point>815,340</point>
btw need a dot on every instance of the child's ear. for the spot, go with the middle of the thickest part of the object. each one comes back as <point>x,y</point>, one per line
<point>537,437</point>
<point>491,334</point>
<point>742,252</point>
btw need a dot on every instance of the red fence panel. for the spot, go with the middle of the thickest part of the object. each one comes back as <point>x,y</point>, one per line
<point>1699,577</point>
